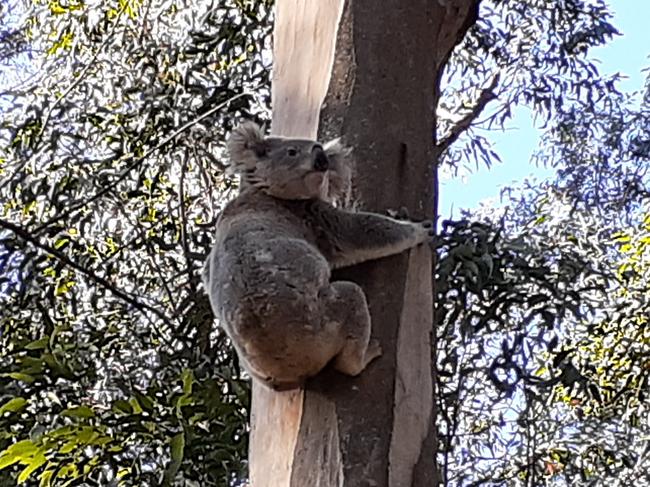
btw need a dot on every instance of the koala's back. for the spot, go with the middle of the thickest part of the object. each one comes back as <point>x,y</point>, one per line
<point>265,277</point>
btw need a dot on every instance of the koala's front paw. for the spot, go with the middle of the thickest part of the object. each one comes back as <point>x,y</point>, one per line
<point>424,231</point>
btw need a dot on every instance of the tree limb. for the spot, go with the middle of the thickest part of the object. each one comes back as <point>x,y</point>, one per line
<point>61,257</point>
<point>183,223</point>
<point>136,163</point>
<point>464,123</point>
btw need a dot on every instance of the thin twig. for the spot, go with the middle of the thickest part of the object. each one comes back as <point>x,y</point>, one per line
<point>144,22</point>
<point>135,164</point>
<point>206,179</point>
<point>61,257</point>
<point>464,123</point>
<point>152,262</point>
<point>154,265</point>
<point>183,214</point>
<point>82,74</point>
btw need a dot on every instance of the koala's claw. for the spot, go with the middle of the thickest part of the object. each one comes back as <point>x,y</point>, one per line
<point>425,231</point>
<point>400,214</point>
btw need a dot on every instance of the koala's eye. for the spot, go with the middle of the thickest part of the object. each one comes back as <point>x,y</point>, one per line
<point>292,152</point>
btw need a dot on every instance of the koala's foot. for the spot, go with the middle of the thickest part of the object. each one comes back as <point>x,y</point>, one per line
<point>347,305</point>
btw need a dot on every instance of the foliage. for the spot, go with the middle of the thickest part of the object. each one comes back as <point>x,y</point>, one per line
<point>601,155</point>
<point>544,346</point>
<point>111,180</point>
<point>533,53</point>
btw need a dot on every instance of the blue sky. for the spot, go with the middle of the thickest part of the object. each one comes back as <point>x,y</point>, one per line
<point>626,54</point>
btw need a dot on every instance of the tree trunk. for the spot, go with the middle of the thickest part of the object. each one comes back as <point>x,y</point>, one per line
<point>370,72</point>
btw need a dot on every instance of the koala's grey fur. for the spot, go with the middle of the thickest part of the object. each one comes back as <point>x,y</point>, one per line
<point>268,275</point>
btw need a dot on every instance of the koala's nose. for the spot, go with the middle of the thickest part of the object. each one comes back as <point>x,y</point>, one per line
<point>321,162</point>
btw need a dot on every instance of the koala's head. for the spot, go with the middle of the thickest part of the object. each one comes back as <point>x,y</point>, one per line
<point>293,169</point>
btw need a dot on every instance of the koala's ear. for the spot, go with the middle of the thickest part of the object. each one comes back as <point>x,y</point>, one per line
<point>341,166</point>
<point>335,149</point>
<point>246,146</point>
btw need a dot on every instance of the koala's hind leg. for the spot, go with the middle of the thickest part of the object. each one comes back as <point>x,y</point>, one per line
<point>345,303</point>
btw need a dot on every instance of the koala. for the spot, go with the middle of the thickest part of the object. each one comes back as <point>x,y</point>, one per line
<point>268,275</point>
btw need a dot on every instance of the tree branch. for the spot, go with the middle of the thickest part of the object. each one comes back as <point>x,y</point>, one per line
<point>61,257</point>
<point>183,223</point>
<point>136,163</point>
<point>484,98</point>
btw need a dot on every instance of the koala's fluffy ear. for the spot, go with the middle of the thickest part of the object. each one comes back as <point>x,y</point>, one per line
<point>246,146</point>
<point>340,171</point>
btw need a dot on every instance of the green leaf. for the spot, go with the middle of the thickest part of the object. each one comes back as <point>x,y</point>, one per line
<point>31,365</point>
<point>57,367</point>
<point>37,462</point>
<point>135,405</point>
<point>79,412</point>
<point>68,447</point>
<point>68,470</point>
<point>7,460</point>
<point>177,447</point>
<point>63,288</point>
<point>46,478</point>
<point>20,376</point>
<point>122,406</point>
<point>61,432</point>
<point>145,401</point>
<point>184,401</point>
<point>87,435</point>
<point>21,451</point>
<point>13,405</point>
<point>188,379</point>
<point>38,344</point>
<point>24,448</point>
<point>61,242</point>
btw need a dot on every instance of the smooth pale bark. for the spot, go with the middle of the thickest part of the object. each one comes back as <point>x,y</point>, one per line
<point>368,71</point>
